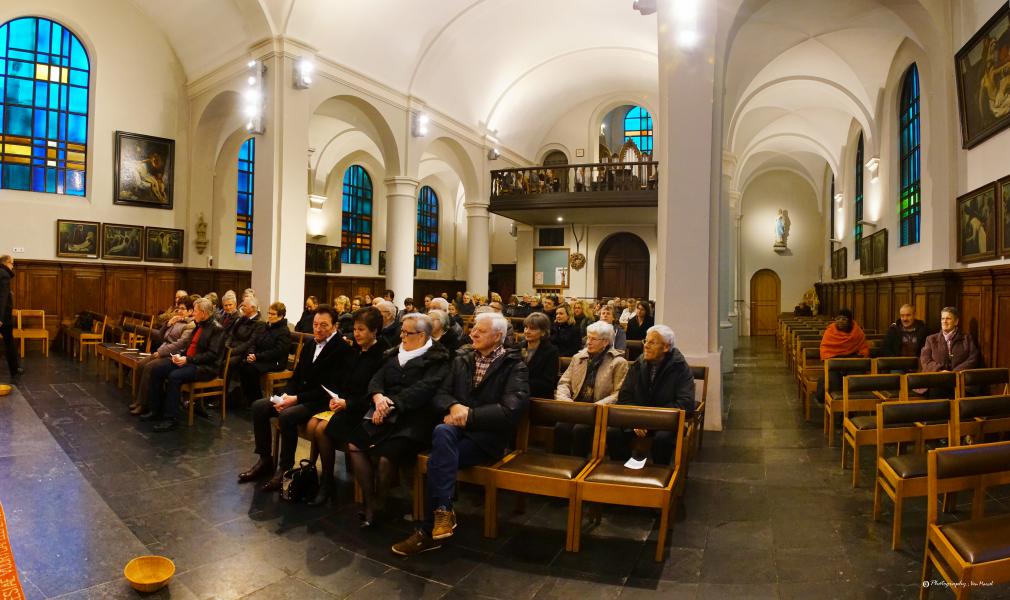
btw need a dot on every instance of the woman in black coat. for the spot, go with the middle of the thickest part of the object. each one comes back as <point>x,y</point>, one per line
<point>565,334</point>
<point>640,323</point>
<point>540,356</point>
<point>268,352</point>
<point>443,332</point>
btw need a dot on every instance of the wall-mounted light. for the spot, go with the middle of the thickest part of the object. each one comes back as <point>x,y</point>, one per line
<point>685,16</point>
<point>419,124</point>
<point>872,166</point>
<point>493,154</point>
<point>252,97</point>
<point>646,7</point>
<point>316,202</point>
<point>303,73</point>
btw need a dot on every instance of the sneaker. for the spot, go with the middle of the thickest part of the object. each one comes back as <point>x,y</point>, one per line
<point>445,522</point>
<point>417,543</point>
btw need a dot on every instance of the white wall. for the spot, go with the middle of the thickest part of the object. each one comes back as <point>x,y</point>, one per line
<point>136,86</point>
<point>798,268</point>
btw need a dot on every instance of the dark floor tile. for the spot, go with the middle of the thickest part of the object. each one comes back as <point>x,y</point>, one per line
<point>341,572</point>
<point>232,577</point>
<point>399,584</point>
<point>568,585</point>
<point>738,566</point>
<point>290,588</point>
<point>637,589</point>
<point>505,579</point>
<point>738,591</point>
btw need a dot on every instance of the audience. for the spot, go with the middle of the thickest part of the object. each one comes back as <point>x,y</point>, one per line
<point>565,334</point>
<point>442,331</point>
<point>480,404</point>
<point>626,308</point>
<point>454,316</point>
<point>549,306</point>
<point>540,355</point>
<point>842,339</point>
<point>639,324</point>
<point>242,333</point>
<point>582,316</point>
<point>174,336</point>
<point>357,303</point>
<point>906,336</point>
<point>171,310</point>
<point>950,349</point>
<point>305,323</point>
<point>620,338</point>
<point>408,307</point>
<point>268,352</point>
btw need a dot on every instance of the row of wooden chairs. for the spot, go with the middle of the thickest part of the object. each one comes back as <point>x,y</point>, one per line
<point>78,340</point>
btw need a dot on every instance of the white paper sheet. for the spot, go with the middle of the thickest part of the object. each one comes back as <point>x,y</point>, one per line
<point>634,464</point>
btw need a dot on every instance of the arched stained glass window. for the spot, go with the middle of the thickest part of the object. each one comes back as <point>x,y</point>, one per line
<point>909,192</point>
<point>638,128</point>
<point>44,74</point>
<point>244,211</point>
<point>426,251</point>
<point>356,231</point>
<point>857,231</point>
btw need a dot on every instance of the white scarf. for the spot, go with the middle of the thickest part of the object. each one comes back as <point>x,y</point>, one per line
<point>406,355</point>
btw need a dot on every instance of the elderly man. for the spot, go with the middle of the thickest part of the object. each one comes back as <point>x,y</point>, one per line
<point>305,323</point>
<point>229,310</point>
<point>320,365</point>
<point>390,326</point>
<point>443,304</point>
<point>481,403</point>
<point>842,339</point>
<point>906,336</point>
<point>170,311</point>
<point>174,335</point>
<point>660,377</point>
<point>7,314</point>
<point>200,362</point>
<point>241,335</point>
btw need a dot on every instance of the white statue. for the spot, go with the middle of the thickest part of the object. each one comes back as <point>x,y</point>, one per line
<point>782,228</point>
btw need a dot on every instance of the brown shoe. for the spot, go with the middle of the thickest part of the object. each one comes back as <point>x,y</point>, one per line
<point>417,543</point>
<point>445,522</point>
<point>134,405</point>
<point>261,468</point>
<point>274,484</point>
<point>137,410</point>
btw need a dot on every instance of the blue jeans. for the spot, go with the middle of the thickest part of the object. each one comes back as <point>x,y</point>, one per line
<point>172,377</point>
<point>451,450</point>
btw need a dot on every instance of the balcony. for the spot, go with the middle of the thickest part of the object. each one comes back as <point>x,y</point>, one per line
<point>583,193</point>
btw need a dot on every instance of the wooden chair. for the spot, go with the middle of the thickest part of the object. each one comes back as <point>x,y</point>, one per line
<point>811,373</point>
<point>977,417</point>
<point>904,475</point>
<point>269,382</point>
<point>921,385</point>
<point>199,390</point>
<point>633,350</point>
<point>696,423</point>
<point>563,363</point>
<point>986,379</point>
<point>89,339</point>
<point>833,399</point>
<point>26,331</point>
<point>896,364</point>
<point>530,471</point>
<point>976,550</point>
<point>861,394</point>
<point>653,486</point>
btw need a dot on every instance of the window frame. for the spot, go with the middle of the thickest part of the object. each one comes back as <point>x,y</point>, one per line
<point>244,220</point>
<point>857,196</point>
<point>910,158</point>
<point>357,216</point>
<point>426,241</point>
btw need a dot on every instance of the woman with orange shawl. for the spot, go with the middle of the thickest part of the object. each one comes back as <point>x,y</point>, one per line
<point>842,339</point>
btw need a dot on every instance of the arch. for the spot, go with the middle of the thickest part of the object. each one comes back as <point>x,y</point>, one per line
<point>365,117</point>
<point>622,266</point>
<point>551,148</point>
<point>765,300</point>
<point>453,154</point>
<point>608,104</point>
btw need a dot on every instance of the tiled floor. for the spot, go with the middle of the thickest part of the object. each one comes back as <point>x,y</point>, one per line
<point>767,514</point>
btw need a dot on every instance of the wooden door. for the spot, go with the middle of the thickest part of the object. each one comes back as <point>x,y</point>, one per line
<point>764,302</point>
<point>503,280</point>
<point>557,158</point>
<point>623,267</point>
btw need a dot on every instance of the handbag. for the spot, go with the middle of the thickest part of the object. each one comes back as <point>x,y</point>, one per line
<point>300,483</point>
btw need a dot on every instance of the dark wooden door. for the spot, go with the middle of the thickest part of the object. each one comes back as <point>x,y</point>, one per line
<point>557,158</point>
<point>503,280</point>
<point>623,267</point>
<point>764,302</point>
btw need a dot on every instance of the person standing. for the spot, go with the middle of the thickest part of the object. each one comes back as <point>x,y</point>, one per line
<point>7,314</point>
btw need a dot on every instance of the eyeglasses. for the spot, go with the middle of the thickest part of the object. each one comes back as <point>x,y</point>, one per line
<point>404,332</point>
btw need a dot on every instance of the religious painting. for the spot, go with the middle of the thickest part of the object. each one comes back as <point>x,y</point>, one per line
<point>976,225</point>
<point>382,263</point>
<point>983,80</point>
<point>840,263</point>
<point>122,242</point>
<point>144,170</point>
<point>879,243</point>
<point>77,239</point>
<point>865,255</point>
<point>322,259</point>
<point>163,245</point>
<point>1003,190</point>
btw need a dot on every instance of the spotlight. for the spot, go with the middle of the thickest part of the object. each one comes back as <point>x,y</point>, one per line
<point>493,154</point>
<point>419,124</point>
<point>252,97</point>
<point>303,73</point>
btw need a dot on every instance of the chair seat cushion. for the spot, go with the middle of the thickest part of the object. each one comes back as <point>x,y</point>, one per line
<point>980,540</point>
<point>548,465</point>
<point>613,472</point>
<point>908,465</point>
<point>864,422</point>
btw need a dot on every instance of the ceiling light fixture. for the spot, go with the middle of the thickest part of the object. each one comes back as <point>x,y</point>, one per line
<point>303,73</point>
<point>493,154</point>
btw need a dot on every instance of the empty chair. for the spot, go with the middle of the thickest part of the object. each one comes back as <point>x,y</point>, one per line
<point>31,325</point>
<point>834,370</point>
<point>984,382</point>
<point>981,416</point>
<point>696,426</point>
<point>810,375</point>
<point>860,396</point>
<point>937,386</point>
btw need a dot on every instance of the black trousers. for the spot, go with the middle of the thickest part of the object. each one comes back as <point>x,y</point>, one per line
<point>249,375</point>
<point>289,419</point>
<point>621,441</point>
<point>10,347</point>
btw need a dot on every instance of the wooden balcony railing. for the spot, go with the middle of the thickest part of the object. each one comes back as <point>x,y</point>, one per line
<point>575,179</point>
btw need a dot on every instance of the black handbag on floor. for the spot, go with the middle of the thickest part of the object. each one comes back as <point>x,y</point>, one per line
<point>300,483</point>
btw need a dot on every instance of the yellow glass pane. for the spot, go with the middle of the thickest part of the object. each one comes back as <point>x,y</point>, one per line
<point>21,160</point>
<point>41,72</point>
<point>77,147</point>
<point>75,156</point>
<point>17,149</point>
<point>51,153</point>
<point>75,166</point>
<point>63,75</point>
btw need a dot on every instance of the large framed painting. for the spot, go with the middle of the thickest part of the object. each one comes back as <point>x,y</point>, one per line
<point>840,263</point>
<point>976,225</point>
<point>144,170</point>
<point>879,243</point>
<point>122,242</point>
<point>164,245</point>
<point>77,239</point>
<point>983,80</point>
<point>1003,191</point>
<point>322,259</point>
<point>866,255</point>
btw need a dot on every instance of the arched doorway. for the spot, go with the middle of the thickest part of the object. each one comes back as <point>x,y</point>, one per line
<point>557,158</point>
<point>765,290</point>
<point>622,267</point>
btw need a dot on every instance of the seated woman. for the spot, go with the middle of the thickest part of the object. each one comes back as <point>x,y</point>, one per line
<point>400,421</point>
<point>595,374</point>
<point>267,354</point>
<point>345,316</point>
<point>640,323</point>
<point>540,355</point>
<point>565,334</point>
<point>949,350</point>
<point>442,330</point>
<point>620,340</point>
<point>627,308</point>
<point>329,430</point>
<point>582,316</point>
<point>174,336</point>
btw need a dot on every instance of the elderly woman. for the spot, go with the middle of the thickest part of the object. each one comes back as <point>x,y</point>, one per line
<point>267,353</point>
<point>659,377</point>
<point>399,423</point>
<point>174,336</point>
<point>949,350</point>
<point>595,374</point>
<point>540,355</point>
<point>442,330</point>
<point>620,340</point>
<point>329,430</point>
<point>345,316</point>
<point>639,324</point>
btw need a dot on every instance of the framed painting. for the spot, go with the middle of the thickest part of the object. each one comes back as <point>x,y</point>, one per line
<point>879,242</point>
<point>122,242</point>
<point>322,259</point>
<point>982,80</point>
<point>77,239</point>
<point>976,225</point>
<point>1003,192</point>
<point>144,170</point>
<point>866,255</point>
<point>382,263</point>
<point>164,245</point>
<point>840,263</point>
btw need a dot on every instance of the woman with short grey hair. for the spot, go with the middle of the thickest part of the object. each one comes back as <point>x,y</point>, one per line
<point>442,331</point>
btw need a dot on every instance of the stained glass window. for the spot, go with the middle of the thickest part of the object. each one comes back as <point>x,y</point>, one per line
<point>356,232</point>
<point>857,231</point>
<point>909,194</point>
<point>244,211</point>
<point>638,128</point>
<point>44,74</point>
<point>426,252</point>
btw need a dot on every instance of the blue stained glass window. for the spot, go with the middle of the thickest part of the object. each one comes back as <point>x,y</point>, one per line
<point>244,211</point>
<point>910,153</point>
<point>356,227</point>
<point>43,107</point>
<point>857,231</point>
<point>638,128</point>
<point>426,251</point>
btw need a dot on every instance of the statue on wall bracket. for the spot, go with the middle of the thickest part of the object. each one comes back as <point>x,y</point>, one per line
<point>781,231</point>
<point>201,240</point>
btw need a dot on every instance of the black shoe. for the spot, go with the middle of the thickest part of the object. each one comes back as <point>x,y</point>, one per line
<point>148,416</point>
<point>163,426</point>
<point>275,482</point>
<point>261,468</point>
<point>322,496</point>
<point>18,372</point>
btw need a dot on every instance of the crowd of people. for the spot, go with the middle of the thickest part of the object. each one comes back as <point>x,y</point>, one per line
<point>383,383</point>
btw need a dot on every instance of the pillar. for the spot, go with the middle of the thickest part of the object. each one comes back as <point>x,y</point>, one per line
<point>727,256</point>
<point>478,248</point>
<point>401,235</point>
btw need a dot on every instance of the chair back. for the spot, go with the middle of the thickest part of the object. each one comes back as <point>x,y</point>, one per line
<point>550,412</point>
<point>917,411</point>
<point>848,366</point>
<point>986,379</point>
<point>563,364</point>
<point>899,364</point>
<point>958,468</point>
<point>644,417</point>
<point>945,381</point>
<point>633,349</point>
<point>873,383</point>
<point>226,366</point>
<point>914,421</point>
<point>700,373</point>
<point>981,415</point>
<point>25,313</point>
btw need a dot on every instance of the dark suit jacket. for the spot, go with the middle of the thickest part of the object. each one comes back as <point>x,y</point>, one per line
<point>242,334</point>
<point>673,386</point>
<point>637,331</point>
<point>309,377</point>
<point>209,350</point>
<point>271,347</point>
<point>6,294</point>
<point>411,388</point>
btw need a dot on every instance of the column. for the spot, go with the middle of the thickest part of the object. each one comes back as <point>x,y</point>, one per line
<point>401,235</point>
<point>281,188</point>
<point>478,248</point>
<point>727,331</point>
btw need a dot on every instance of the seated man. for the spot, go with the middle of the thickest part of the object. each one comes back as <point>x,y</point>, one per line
<point>659,377</point>
<point>241,335</point>
<point>200,362</point>
<point>906,336</point>
<point>482,400</point>
<point>842,339</point>
<point>229,311</point>
<point>170,311</point>
<point>949,350</point>
<point>305,323</point>
<point>321,364</point>
<point>174,336</point>
<point>267,354</point>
